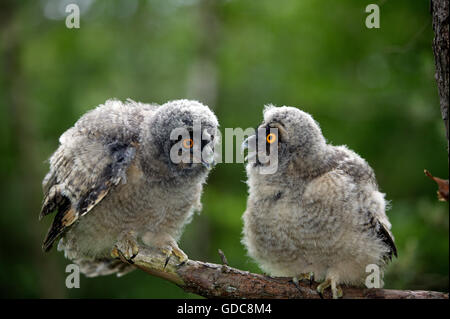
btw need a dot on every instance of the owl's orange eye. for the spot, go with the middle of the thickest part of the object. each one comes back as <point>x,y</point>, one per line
<point>271,138</point>
<point>188,143</point>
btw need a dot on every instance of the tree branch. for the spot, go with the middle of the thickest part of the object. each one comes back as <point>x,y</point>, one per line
<point>221,281</point>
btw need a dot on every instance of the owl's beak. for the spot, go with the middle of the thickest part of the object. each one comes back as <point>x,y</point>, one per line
<point>208,165</point>
<point>208,157</point>
<point>249,143</point>
<point>244,145</point>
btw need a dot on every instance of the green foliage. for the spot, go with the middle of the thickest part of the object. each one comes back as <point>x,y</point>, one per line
<point>371,89</point>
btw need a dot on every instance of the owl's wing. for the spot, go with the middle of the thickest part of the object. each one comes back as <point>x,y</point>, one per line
<point>325,192</point>
<point>374,211</point>
<point>377,222</point>
<point>83,171</point>
<point>382,231</point>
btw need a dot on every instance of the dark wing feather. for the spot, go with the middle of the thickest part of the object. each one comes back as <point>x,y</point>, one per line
<point>382,233</point>
<point>386,237</point>
<point>81,175</point>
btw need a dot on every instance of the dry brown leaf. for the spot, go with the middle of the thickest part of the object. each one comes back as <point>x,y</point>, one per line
<point>442,184</point>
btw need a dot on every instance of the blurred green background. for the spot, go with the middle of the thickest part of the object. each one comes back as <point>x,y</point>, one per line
<point>371,89</point>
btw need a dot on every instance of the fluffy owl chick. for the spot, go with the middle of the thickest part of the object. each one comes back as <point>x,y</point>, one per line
<point>114,185</point>
<point>320,213</point>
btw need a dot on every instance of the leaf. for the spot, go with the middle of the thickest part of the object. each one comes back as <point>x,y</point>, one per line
<point>442,184</point>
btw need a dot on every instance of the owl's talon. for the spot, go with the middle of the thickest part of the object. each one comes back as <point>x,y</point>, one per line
<point>126,249</point>
<point>182,257</point>
<point>295,281</point>
<point>335,289</point>
<point>305,276</point>
<point>311,279</point>
<point>125,259</point>
<point>168,254</point>
<point>338,293</point>
<point>171,250</point>
<point>115,253</point>
<point>321,288</point>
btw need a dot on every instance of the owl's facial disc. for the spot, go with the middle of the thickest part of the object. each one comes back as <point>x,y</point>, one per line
<point>264,147</point>
<point>305,141</point>
<point>192,150</point>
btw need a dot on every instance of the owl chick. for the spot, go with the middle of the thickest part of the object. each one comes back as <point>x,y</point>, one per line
<point>114,185</point>
<point>320,213</point>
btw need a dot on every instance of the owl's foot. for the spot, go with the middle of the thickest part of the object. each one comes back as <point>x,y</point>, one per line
<point>306,276</point>
<point>126,248</point>
<point>173,250</point>
<point>335,289</point>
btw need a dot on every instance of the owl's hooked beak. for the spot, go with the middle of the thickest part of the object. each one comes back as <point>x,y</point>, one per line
<point>244,145</point>
<point>250,145</point>
<point>208,165</point>
<point>208,157</point>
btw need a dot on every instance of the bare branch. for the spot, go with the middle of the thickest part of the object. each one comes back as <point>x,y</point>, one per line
<point>221,281</point>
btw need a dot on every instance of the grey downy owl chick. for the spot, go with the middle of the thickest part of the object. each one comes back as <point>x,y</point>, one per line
<point>114,185</point>
<point>320,213</point>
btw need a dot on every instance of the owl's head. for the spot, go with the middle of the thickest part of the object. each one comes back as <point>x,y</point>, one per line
<point>294,133</point>
<point>183,135</point>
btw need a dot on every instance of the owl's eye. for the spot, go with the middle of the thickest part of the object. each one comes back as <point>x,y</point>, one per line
<point>188,143</point>
<point>271,138</point>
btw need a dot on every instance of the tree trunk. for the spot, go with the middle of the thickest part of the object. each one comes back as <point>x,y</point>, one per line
<point>439,11</point>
